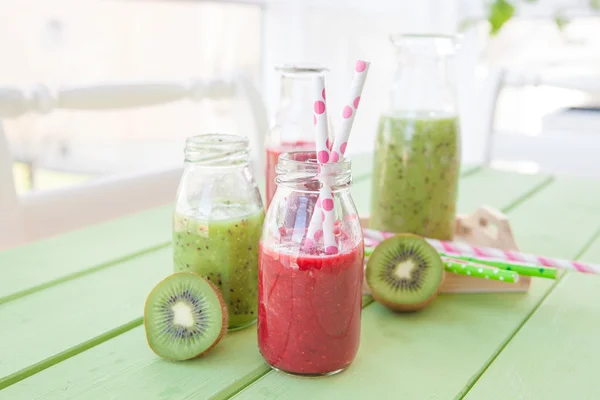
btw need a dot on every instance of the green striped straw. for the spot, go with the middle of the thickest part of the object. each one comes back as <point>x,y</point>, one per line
<point>521,269</point>
<point>462,267</point>
<point>459,265</point>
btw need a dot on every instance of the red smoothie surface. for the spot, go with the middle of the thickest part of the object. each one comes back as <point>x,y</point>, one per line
<point>273,153</point>
<point>309,309</point>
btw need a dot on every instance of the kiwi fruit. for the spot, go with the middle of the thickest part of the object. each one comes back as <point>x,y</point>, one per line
<point>184,317</point>
<point>404,273</point>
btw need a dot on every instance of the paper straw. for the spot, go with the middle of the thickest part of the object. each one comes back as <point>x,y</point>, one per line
<point>463,267</point>
<point>479,271</point>
<point>329,241</point>
<point>521,269</point>
<point>464,249</point>
<point>361,69</point>
<point>320,120</point>
<point>324,214</point>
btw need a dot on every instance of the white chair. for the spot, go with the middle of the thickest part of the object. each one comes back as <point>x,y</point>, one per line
<point>39,214</point>
<point>557,149</point>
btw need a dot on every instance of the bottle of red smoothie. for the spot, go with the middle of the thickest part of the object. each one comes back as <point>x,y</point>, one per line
<point>309,301</point>
<point>292,128</point>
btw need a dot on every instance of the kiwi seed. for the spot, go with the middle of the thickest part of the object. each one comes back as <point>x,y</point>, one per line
<point>404,273</point>
<point>184,316</point>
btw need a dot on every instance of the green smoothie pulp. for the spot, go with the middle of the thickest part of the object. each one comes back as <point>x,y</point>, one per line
<point>415,175</point>
<point>225,251</point>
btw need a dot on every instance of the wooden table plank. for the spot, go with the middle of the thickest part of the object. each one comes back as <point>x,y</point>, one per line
<point>39,327</point>
<point>29,268</point>
<point>125,368</point>
<point>566,215</point>
<point>459,335</point>
<point>97,376</point>
<point>556,355</point>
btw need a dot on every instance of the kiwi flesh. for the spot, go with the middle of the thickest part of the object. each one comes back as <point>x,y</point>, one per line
<point>184,316</point>
<point>404,273</point>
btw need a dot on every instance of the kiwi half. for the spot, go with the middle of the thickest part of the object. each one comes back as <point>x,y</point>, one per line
<point>184,317</point>
<point>404,272</point>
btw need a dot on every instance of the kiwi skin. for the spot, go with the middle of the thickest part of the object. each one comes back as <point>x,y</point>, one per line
<point>405,308</point>
<point>408,308</point>
<point>224,313</point>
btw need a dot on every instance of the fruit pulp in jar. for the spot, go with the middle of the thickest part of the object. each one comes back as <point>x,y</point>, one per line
<point>309,309</point>
<point>223,247</point>
<point>415,174</point>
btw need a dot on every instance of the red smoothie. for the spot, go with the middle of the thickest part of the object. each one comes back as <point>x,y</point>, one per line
<point>309,309</point>
<point>273,153</point>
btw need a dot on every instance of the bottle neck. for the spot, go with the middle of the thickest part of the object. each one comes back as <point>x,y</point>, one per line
<point>300,171</point>
<point>424,78</point>
<point>217,150</point>
<point>293,117</point>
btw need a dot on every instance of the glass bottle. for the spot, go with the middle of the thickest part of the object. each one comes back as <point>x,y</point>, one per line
<point>292,128</point>
<point>309,301</point>
<point>417,147</point>
<point>218,221</point>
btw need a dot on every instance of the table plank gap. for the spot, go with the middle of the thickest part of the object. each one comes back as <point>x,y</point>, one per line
<point>554,356</point>
<point>66,354</point>
<point>470,170</point>
<point>534,190</point>
<point>70,315</point>
<point>79,274</point>
<point>236,387</point>
<point>590,245</point>
<point>503,345</point>
<point>30,268</point>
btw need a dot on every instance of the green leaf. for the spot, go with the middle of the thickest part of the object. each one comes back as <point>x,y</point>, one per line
<point>500,12</point>
<point>595,4</point>
<point>466,24</point>
<point>561,21</point>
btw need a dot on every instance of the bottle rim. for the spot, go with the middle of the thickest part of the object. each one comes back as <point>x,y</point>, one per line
<point>300,69</point>
<point>301,169</point>
<point>439,43</point>
<point>217,149</point>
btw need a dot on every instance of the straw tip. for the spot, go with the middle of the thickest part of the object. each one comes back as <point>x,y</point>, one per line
<point>361,65</point>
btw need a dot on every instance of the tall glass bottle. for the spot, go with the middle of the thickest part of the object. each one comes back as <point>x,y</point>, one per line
<point>292,128</point>
<point>309,300</point>
<point>417,148</point>
<point>218,221</point>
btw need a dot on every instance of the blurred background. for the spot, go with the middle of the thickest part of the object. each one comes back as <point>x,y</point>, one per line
<point>527,72</point>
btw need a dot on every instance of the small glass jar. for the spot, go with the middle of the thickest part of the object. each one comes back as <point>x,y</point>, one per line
<point>309,301</point>
<point>417,148</point>
<point>218,221</point>
<point>292,128</point>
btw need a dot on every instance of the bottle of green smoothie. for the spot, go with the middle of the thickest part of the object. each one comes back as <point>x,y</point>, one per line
<point>417,147</point>
<point>218,221</point>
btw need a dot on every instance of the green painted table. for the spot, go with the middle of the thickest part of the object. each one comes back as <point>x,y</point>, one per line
<point>71,316</point>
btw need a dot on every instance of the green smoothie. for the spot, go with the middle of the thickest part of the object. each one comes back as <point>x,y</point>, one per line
<point>223,249</point>
<point>415,175</point>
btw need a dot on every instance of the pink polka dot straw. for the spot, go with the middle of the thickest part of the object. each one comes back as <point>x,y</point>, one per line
<point>322,223</point>
<point>374,237</point>
<point>349,111</point>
